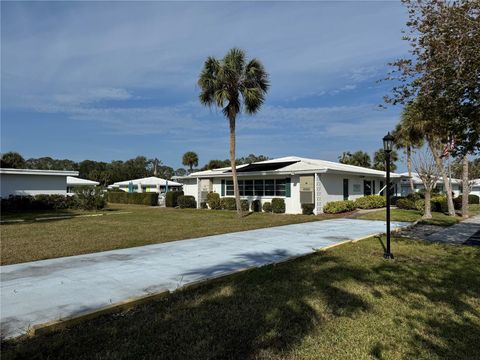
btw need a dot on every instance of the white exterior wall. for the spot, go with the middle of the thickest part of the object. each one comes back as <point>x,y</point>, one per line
<point>16,184</point>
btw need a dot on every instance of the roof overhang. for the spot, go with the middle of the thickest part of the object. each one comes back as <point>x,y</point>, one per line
<point>8,171</point>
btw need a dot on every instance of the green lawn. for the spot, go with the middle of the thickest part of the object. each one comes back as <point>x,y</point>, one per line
<point>413,215</point>
<point>123,226</point>
<point>343,303</point>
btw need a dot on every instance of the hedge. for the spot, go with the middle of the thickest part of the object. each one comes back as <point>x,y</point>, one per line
<point>86,200</point>
<point>228,203</point>
<point>406,204</point>
<point>370,202</point>
<point>147,198</point>
<point>307,209</point>
<point>336,207</point>
<point>244,205</point>
<point>171,198</point>
<point>278,206</point>
<point>472,199</point>
<point>267,207</point>
<point>213,201</point>
<point>187,202</point>
<point>256,206</point>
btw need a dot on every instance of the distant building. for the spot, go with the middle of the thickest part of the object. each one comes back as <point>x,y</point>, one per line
<point>33,182</point>
<point>75,182</point>
<point>148,184</point>
<point>418,185</point>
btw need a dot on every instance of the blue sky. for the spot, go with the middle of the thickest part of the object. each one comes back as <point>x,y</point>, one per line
<point>104,81</point>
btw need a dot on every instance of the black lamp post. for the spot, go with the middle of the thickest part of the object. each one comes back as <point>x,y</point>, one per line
<point>387,147</point>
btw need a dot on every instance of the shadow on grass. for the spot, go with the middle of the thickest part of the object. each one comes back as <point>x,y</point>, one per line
<point>268,312</point>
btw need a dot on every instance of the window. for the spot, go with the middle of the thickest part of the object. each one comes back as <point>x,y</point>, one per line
<point>258,188</point>
<point>269,187</point>
<point>248,188</point>
<point>280,187</point>
<point>229,188</point>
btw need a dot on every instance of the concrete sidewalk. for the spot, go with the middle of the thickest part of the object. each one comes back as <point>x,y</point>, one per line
<point>457,234</point>
<point>38,292</point>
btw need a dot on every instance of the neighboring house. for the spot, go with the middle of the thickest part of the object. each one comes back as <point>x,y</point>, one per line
<point>75,182</point>
<point>475,187</point>
<point>33,182</point>
<point>297,180</point>
<point>418,184</point>
<point>148,184</point>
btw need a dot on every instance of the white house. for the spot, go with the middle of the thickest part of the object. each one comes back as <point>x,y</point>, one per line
<point>297,180</point>
<point>148,184</point>
<point>33,182</point>
<point>73,182</point>
<point>475,187</point>
<point>405,188</point>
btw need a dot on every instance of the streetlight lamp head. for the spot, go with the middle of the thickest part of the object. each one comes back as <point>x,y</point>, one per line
<point>388,142</point>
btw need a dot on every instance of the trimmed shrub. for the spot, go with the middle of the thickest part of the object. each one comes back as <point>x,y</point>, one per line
<point>187,202</point>
<point>228,203</point>
<point>415,196</point>
<point>394,199</point>
<point>406,204</point>
<point>147,198</point>
<point>438,203</point>
<point>278,205</point>
<point>420,205</point>
<point>256,206</point>
<point>89,198</point>
<point>472,199</point>
<point>244,205</point>
<point>203,205</point>
<point>171,198</point>
<point>307,209</point>
<point>370,202</point>
<point>213,201</point>
<point>267,207</point>
<point>336,207</point>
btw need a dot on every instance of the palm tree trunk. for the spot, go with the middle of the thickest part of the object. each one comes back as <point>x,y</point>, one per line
<point>409,167</point>
<point>233,165</point>
<point>436,150</point>
<point>465,187</point>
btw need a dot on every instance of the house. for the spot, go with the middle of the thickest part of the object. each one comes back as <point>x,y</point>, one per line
<point>295,179</point>
<point>33,182</point>
<point>75,182</point>
<point>406,189</point>
<point>475,190</point>
<point>148,184</point>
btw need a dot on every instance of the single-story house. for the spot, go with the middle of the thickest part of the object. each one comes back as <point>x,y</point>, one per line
<point>33,182</point>
<point>148,184</point>
<point>405,188</point>
<point>475,190</point>
<point>74,182</point>
<point>295,179</point>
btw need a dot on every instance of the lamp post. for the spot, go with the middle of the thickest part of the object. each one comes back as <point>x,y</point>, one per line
<point>387,147</point>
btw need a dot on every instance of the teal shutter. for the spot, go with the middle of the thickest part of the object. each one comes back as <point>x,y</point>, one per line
<point>287,187</point>
<point>223,187</point>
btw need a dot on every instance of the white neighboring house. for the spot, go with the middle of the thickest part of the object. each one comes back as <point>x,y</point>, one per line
<point>148,184</point>
<point>418,184</point>
<point>33,182</point>
<point>295,179</point>
<point>73,182</point>
<point>475,187</point>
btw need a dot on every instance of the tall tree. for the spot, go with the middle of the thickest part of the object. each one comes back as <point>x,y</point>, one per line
<point>190,159</point>
<point>358,158</point>
<point>442,72</point>
<point>379,160</point>
<point>252,158</point>
<point>234,85</point>
<point>13,160</point>
<point>427,171</point>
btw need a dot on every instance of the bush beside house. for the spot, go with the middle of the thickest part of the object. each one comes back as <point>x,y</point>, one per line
<point>256,206</point>
<point>278,205</point>
<point>187,202</point>
<point>337,207</point>
<point>213,201</point>
<point>148,198</point>
<point>307,209</point>
<point>171,198</point>
<point>371,202</point>
<point>267,207</point>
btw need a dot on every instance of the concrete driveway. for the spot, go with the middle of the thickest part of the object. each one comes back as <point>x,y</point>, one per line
<point>42,291</point>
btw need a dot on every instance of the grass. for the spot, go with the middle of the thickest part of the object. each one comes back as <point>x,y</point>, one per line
<point>344,303</point>
<point>414,215</point>
<point>36,240</point>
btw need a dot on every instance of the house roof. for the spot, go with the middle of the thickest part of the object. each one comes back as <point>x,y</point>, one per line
<point>152,180</point>
<point>75,181</point>
<point>292,165</point>
<point>37,172</point>
<point>417,180</point>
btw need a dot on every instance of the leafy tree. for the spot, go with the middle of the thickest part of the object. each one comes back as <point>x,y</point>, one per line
<point>379,160</point>
<point>180,172</point>
<point>252,158</point>
<point>216,164</point>
<point>13,160</point>
<point>442,72</point>
<point>234,85</point>
<point>190,159</point>
<point>165,172</point>
<point>358,158</point>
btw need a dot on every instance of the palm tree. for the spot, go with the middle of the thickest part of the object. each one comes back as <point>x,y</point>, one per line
<point>190,159</point>
<point>408,135</point>
<point>234,85</point>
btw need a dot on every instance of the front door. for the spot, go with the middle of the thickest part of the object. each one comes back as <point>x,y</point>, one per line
<point>367,187</point>
<point>345,189</point>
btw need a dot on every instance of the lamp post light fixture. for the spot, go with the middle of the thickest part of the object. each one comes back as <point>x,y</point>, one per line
<point>388,147</point>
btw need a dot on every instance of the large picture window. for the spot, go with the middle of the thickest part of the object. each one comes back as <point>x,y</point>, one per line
<point>269,187</point>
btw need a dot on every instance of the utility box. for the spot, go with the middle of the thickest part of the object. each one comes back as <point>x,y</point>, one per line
<point>307,184</point>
